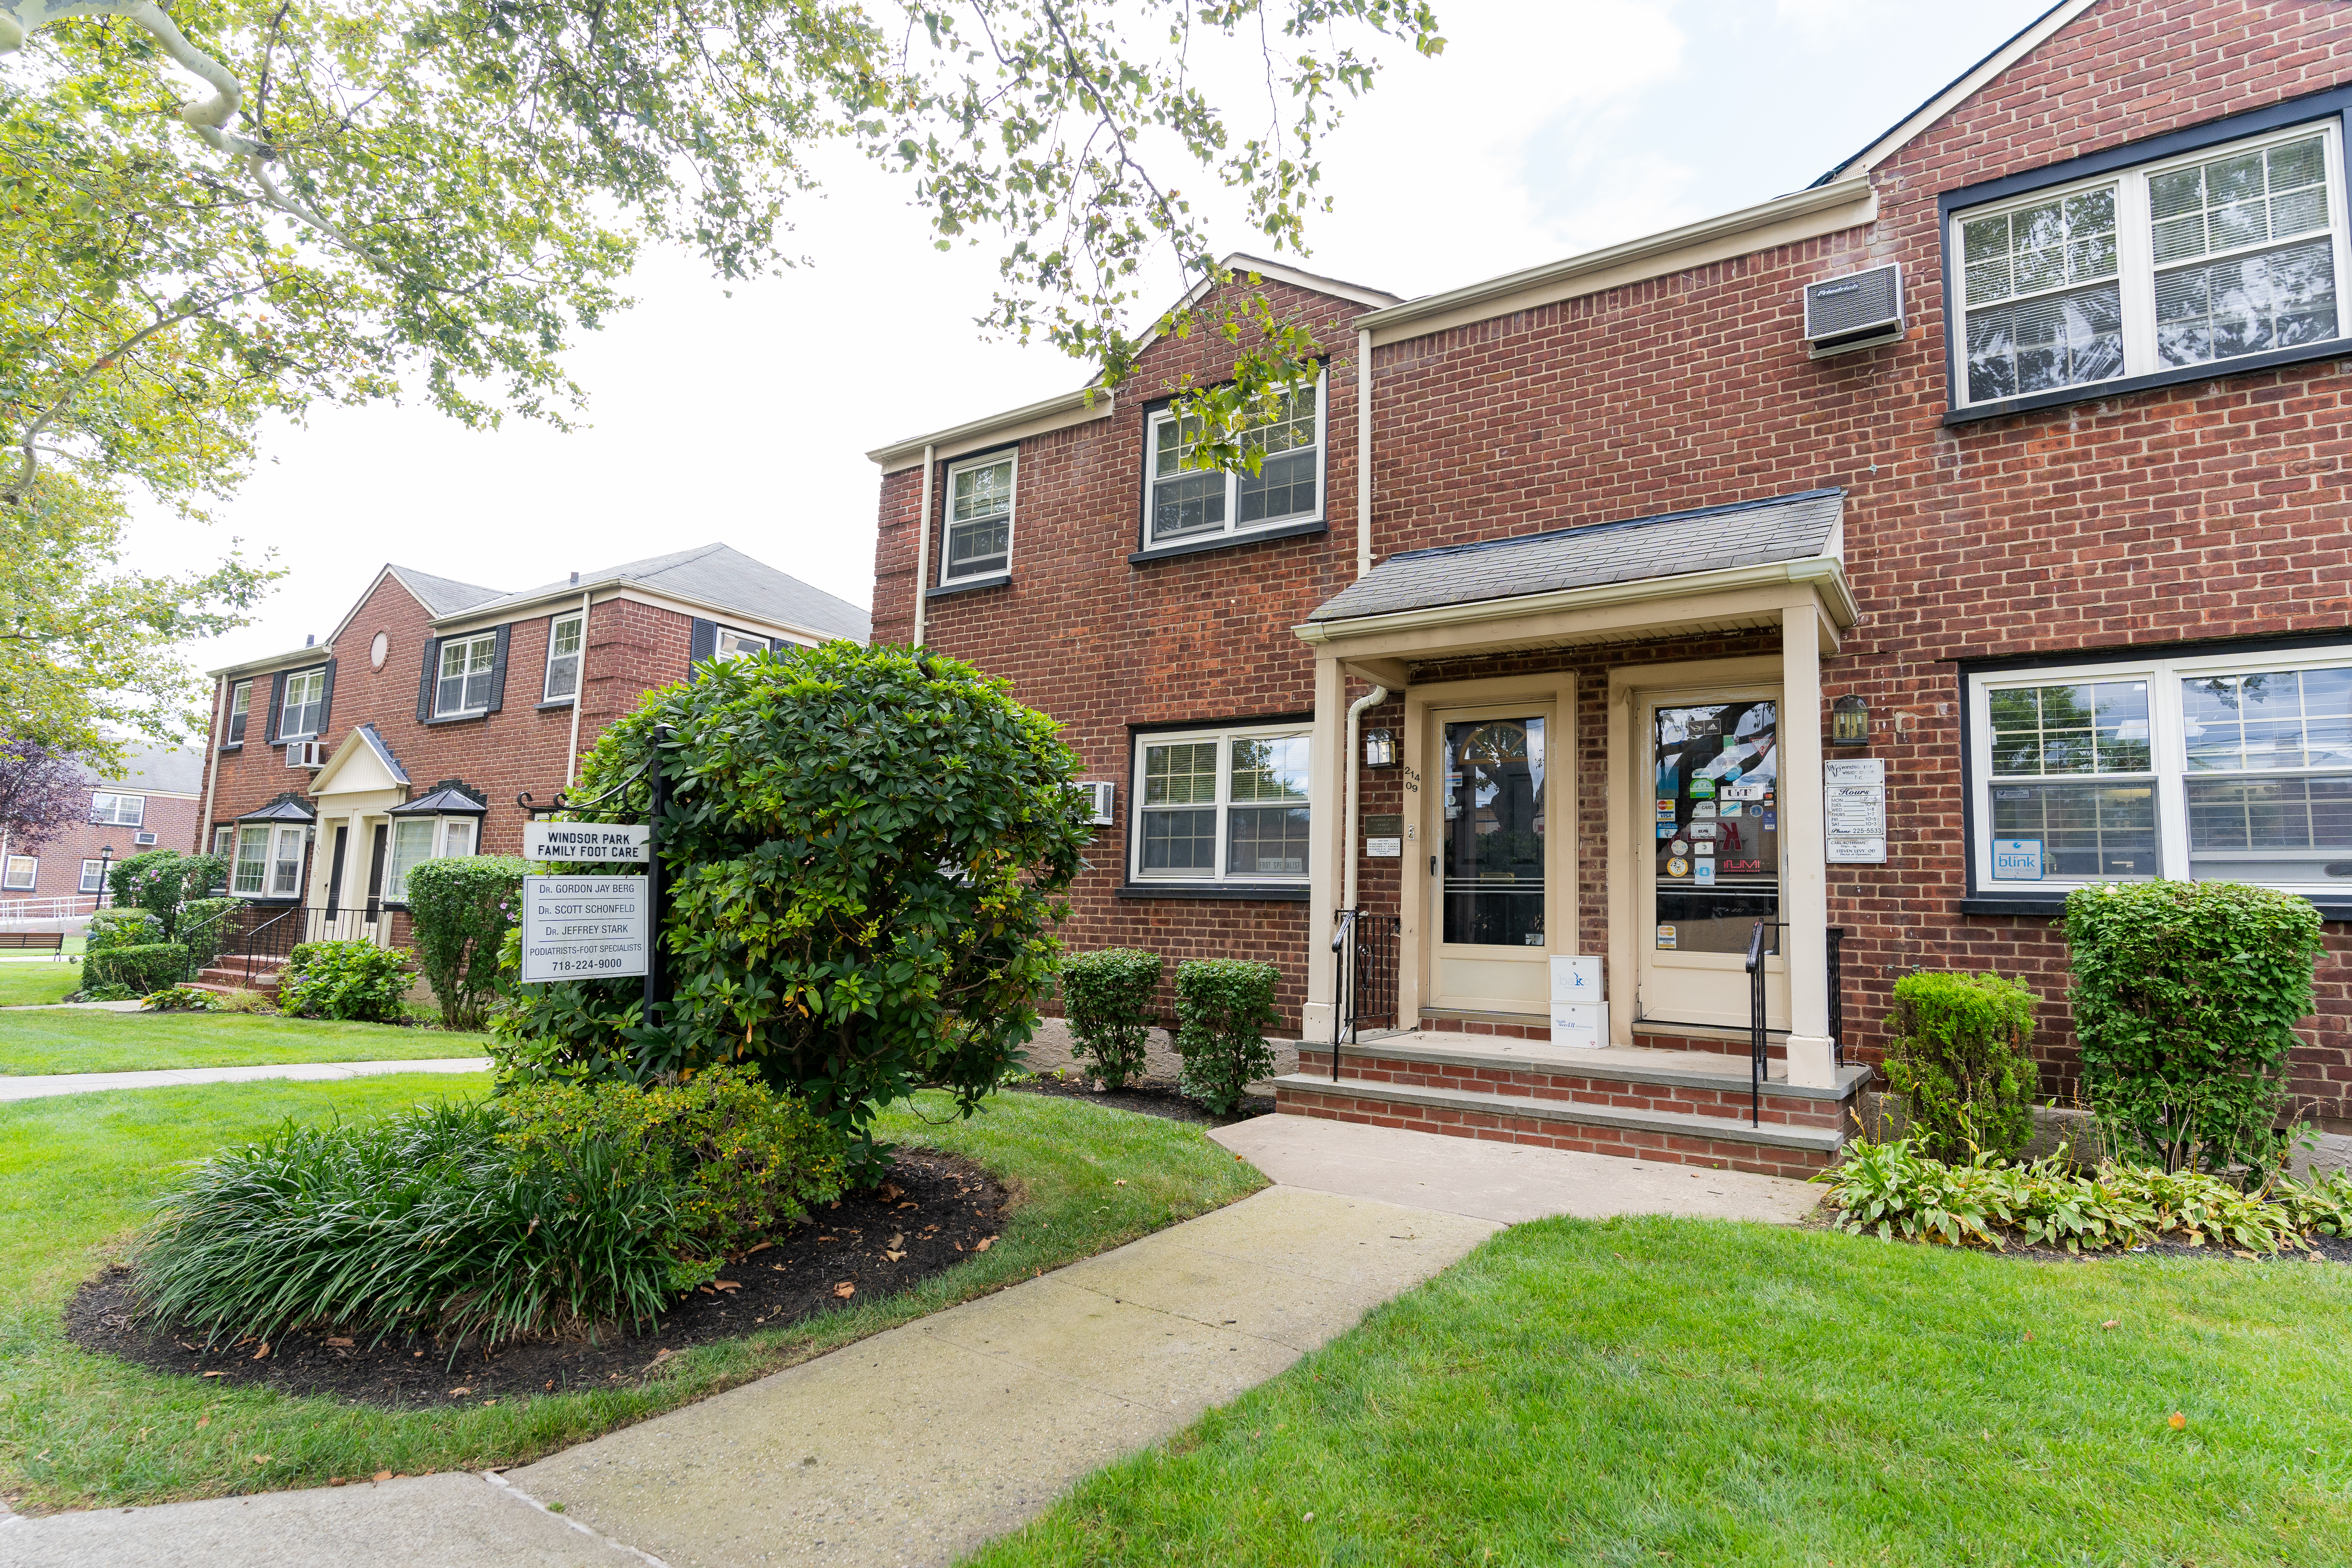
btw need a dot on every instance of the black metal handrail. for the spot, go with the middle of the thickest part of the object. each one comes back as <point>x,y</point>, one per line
<point>1758,1058</point>
<point>1364,986</point>
<point>1837,996</point>
<point>1343,986</point>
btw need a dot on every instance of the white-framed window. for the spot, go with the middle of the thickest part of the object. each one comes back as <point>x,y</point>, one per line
<point>223,839</point>
<point>462,685</point>
<point>1185,504</point>
<point>269,860</point>
<point>732,644</point>
<point>565,635</point>
<point>1221,807</point>
<point>416,839</point>
<point>2218,767</point>
<point>240,703</point>
<point>118,810</point>
<point>22,872</point>
<point>2192,261</point>
<point>93,876</point>
<point>978,540</point>
<point>305,704</point>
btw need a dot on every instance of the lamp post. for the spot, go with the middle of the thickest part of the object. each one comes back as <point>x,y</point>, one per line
<point>105,860</point>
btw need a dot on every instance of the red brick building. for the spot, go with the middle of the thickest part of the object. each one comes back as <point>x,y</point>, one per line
<point>406,735</point>
<point>155,800</point>
<point>1878,563</point>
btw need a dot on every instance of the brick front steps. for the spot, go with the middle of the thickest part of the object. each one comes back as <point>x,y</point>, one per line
<point>1688,1108</point>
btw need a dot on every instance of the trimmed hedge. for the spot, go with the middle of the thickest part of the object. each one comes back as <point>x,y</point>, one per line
<point>162,881</point>
<point>148,966</point>
<point>1223,1008</point>
<point>1958,1054</point>
<point>1108,997</point>
<point>459,911</point>
<point>2186,997</point>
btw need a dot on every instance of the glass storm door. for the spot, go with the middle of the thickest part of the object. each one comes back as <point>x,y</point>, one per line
<point>1713,868</point>
<point>1492,891</point>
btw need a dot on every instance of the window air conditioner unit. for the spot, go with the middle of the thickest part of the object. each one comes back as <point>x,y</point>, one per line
<point>306,753</point>
<point>142,839</point>
<point>1099,796</point>
<point>1859,310</point>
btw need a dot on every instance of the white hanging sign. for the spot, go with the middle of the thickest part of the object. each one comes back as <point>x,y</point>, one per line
<point>585,928</point>
<point>1853,811</point>
<point>588,843</point>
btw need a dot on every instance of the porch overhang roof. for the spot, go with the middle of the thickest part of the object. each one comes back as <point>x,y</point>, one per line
<point>1726,568</point>
<point>287,807</point>
<point>450,797</point>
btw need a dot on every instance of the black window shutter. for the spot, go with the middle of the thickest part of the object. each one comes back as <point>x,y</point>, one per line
<point>499,670</point>
<point>705,643</point>
<point>276,705</point>
<point>326,699</point>
<point>425,682</point>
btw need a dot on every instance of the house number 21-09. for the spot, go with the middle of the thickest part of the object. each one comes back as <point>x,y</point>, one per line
<point>1412,780</point>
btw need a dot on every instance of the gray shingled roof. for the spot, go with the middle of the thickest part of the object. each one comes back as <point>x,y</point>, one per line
<point>721,576</point>
<point>441,595</point>
<point>1672,544</point>
<point>167,770</point>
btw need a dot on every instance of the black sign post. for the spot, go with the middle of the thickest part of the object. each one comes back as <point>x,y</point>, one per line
<point>657,968</point>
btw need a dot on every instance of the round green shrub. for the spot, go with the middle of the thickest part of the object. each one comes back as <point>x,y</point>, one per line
<point>121,928</point>
<point>149,966</point>
<point>1957,1053</point>
<point>866,850</point>
<point>460,912</point>
<point>1109,998</point>
<point>1224,1008</point>
<point>353,980</point>
<point>2185,998</point>
<point>161,881</point>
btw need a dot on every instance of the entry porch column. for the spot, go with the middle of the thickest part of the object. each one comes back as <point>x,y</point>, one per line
<point>1804,887</point>
<point>1326,792</point>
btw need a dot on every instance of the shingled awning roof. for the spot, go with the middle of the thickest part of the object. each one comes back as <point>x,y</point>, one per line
<point>1671,544</point>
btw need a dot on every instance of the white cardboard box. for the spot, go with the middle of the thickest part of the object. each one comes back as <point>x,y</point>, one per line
<point>1575,977</point>
<point>1579,1025</point>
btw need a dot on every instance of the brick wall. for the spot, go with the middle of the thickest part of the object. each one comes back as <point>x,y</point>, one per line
<point>171,819</point>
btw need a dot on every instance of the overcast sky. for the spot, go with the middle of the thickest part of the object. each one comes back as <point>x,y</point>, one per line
<point>1543,131</point>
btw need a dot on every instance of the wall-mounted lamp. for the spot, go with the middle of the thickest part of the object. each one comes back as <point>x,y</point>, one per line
<point>1849,722</point>
<point>1380,749</point>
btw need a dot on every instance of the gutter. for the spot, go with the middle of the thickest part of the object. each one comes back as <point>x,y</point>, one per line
<point>482,617</point>
<point>903,453</point>
<point>1825,575</point>
<point>212,769</point>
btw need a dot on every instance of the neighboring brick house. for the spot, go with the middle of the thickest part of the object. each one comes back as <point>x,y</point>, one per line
<point>155,800</point>
<point>2075,571</point>
<point>407,734</point>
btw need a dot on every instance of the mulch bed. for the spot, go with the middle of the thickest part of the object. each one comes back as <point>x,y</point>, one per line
<point>935,1210</point>
<point>1147,1096</point>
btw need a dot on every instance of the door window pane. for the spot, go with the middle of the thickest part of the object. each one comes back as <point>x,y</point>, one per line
<point>1716,812</point>
<point>1493,853</point>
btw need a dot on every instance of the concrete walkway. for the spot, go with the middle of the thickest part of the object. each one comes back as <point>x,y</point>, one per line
<point>40,1086</point>
<point>916,1445</point>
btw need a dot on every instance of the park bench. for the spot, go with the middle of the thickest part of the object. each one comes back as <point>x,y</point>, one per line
<point>33,942</point>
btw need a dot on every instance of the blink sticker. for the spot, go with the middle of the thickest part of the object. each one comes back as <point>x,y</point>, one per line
<point>1706,877</point>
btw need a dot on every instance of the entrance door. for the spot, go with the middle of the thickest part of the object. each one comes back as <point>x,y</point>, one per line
<point>1493,914</point>
<point>1712,771</point>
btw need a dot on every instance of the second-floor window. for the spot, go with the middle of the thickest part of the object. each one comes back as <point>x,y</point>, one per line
<point>979,542</point>
<point>240,703</point>
<point>463,685</point>
<point>565,638</point>
<point>118,810</point>
<point>2195,260</point>
<point>1189,503</point>
<point>306,699</point>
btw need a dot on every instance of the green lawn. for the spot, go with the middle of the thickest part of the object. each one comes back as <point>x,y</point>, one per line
<point>79,1430</point>
<point>1664,1392</point>
<point>95,1040</point>
<point>31,984</point>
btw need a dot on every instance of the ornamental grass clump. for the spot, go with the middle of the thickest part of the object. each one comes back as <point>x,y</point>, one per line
<point>1109,998</point>
<point>425,1223</point>
<point>1957,1053</point>
<point>2186,997</point>
<point>1224,1008</point>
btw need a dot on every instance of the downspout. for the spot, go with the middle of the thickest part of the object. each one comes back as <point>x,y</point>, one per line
<point>923,546</point>
<point>579,688</point>
<point>1363,473</point>
<point>1356,709</point>
<point>212,769</point>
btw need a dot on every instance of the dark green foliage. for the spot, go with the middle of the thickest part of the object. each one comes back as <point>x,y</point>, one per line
<point>422,1223</point>
<point>866,850</point>
<point>122,928</point>
<point>181,999</point>
<point>1110,998</point>
<point>1224,1008</point>
<point>162,880</point>
<point>1957,1052</point>
<point>744,1159</point>
<point>346,980</point>
<point>148,966</point>
<point>2186,997</point>
<point>460,910</point>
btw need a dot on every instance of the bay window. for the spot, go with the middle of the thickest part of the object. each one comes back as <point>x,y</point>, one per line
<point>978,538</point>
<point>268,861</point>
<point>416,839</point>
<point>1228,806</point>
<point>1187,503</point>
<point>2230,251</point>
<point>2222,767</point>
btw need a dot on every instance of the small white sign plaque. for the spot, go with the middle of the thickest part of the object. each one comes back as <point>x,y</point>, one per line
<point>1384,849</point>
<point>588,843</point>
<point>1853,811</point>
<point>585,928</point>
